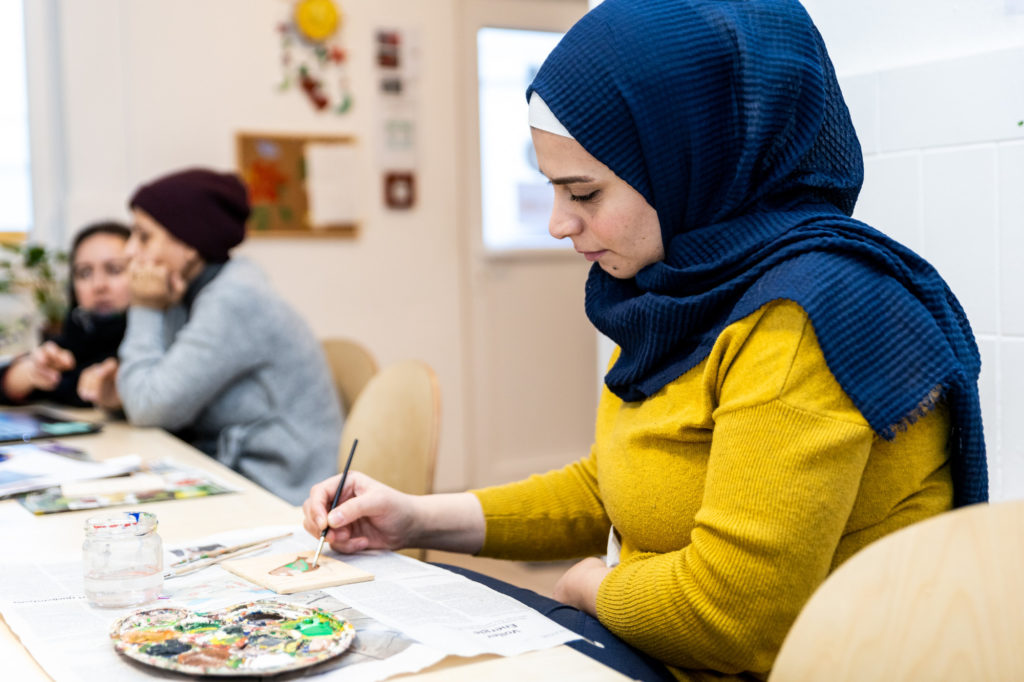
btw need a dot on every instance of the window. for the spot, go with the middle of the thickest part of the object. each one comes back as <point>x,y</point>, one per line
<point>515,198</point>
<point>15,168</point>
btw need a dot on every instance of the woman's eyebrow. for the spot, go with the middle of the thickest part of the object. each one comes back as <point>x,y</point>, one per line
<point>571,179</point>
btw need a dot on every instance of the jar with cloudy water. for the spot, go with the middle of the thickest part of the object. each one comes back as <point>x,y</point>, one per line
<point>122,558</point>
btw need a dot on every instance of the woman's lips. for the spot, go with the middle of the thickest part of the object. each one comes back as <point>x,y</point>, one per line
<point>593,255</point>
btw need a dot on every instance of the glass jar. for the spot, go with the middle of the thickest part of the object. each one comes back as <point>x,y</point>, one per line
<point>122,559</point>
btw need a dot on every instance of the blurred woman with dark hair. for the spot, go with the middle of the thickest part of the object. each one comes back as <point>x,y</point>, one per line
<point>98,296</point>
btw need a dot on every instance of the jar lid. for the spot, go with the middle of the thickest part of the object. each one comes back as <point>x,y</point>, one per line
<point>123,523</point>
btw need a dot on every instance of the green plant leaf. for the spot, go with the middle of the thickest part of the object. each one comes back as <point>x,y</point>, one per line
<point>34,255</point>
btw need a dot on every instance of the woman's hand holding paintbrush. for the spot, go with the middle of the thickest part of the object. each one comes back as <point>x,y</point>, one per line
<point>371,515</point>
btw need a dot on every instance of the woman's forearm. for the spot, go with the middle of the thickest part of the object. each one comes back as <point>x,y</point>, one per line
<point>452,522</point>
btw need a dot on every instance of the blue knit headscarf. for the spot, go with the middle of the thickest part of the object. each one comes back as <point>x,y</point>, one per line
<point>726,116</point>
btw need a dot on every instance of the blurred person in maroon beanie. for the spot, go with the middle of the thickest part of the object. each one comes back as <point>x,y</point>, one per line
<point>211,352</point>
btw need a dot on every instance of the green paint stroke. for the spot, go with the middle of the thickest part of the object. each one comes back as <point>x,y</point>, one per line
<point>196,627</point>
<point>300,565</point>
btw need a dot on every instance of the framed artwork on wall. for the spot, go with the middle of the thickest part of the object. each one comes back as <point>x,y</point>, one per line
<point>301,185</point>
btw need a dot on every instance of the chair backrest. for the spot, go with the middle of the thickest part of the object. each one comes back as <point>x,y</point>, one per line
<point>351,365</point>
<point>397,420</point>
<point>942,599</point>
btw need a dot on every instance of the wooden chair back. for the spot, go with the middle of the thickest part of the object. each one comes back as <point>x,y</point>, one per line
<point>352,365</point>
<point>942,599</point>
<point>397,421</point>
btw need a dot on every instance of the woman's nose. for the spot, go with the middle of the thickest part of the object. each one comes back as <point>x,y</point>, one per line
<point>564,224</point>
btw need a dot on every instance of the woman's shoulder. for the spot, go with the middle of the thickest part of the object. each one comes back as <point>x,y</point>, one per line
<point>241,294</point>
<point>774,354</point>
<point>238,279</point>
<point>774,330</point>
<point>242,270</point>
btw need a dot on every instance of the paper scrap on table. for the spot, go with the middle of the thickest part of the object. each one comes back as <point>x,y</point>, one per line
<point>133,483</point>
<point>29,467</point>
<point>162,479</point>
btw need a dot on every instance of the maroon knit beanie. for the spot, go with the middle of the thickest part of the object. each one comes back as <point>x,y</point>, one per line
<point>205,209</point>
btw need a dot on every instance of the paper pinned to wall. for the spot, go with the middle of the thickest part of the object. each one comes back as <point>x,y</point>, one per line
<point>332,184</point>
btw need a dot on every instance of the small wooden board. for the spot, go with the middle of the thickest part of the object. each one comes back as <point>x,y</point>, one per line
<point>329,572</point>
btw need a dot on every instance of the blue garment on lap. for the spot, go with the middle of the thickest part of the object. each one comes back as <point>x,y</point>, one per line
<point>727,117</point>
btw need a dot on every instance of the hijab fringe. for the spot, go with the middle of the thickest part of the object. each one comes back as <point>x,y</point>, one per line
<point>923,408</point>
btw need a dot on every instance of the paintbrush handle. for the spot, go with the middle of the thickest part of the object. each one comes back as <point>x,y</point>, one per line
<point>344,475</point>
<point>199,565</point>
<point>225,550</point>
<point>337,496</point>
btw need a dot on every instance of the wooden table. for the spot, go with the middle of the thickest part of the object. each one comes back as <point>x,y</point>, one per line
<point>181,521</point>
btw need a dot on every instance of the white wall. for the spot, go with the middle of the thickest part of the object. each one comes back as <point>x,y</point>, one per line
<point>149,86</point>
<point>871,35</point>
<point>936,90</point>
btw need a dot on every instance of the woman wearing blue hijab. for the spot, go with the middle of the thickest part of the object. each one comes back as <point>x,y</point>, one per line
<point>790,384</point>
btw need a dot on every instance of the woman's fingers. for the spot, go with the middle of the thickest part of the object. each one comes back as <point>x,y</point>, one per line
<point>46,363</point>
<point>314,509</point>
<point>55,357</point>
<point>368,515</point>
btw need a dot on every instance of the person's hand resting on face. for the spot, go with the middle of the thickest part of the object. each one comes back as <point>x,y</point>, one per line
<point>154,286</point>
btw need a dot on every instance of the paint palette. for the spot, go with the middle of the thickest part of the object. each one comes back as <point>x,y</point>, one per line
<point>255,638</point>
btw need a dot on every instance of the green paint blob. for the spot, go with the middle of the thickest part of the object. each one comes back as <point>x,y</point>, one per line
<point>318,630</point>
<point>300,565</point>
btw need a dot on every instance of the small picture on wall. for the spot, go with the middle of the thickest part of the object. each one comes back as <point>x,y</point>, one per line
<point>391,85</point>
<point>388,48</point>
<point>399,189</point>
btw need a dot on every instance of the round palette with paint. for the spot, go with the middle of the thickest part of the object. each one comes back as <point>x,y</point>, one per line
<point>255,638</point>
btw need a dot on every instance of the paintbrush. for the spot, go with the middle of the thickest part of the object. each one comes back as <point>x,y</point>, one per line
<point>199,565</point>
<point>337,496</point>
<point>224,550</point>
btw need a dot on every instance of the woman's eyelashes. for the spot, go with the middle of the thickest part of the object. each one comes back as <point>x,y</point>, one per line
<point>584,197</point>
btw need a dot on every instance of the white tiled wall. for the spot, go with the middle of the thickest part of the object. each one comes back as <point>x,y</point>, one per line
<point>944,174</point>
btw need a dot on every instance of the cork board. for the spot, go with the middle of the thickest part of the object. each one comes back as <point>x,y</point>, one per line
<point>300,185</point>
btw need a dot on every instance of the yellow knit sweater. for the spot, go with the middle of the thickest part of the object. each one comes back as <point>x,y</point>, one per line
<point>736,490</point>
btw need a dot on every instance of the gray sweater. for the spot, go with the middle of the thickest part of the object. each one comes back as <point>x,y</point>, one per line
<point>241,375</point>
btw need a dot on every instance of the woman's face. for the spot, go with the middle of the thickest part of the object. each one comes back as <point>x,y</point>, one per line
<point>99,274</point>
<point>152,244</point>
<point>609,222</point>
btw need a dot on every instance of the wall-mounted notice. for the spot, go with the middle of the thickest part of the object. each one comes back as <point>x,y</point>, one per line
<point>397,56</point>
